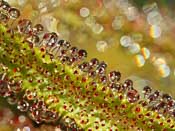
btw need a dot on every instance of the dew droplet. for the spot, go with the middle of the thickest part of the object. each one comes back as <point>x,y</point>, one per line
<point>14,13</point>
<point>4,5</point>
<point>166,97</point>
<point>103,64</point>
<point>73,51</point>
<point>31,95</point>
<point>84,66</point>
<point>23,105</point>
<point>38,28</point>
<point>146,90</point>
<point>82,54</point>
<point>94,62</point>
<point>154,96</point>
<point>128,84</point>
<point>92,73</point>
<point>133,96</point>
<point>25,26</point>
<point>103,79</point>
<point>36,116</point>
<point>100,70</point>
<point>114,76</point>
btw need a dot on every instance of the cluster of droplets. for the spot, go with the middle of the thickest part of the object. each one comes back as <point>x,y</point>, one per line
<point>92,74</point>
<point>29,103</point>
<point>7,12</point>
<point>160,102</point>
<point>36,108</point>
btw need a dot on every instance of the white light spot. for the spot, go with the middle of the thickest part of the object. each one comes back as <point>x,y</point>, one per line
<point>125,41</point>
<point>134,48</point>
<point>49,22</point>
<point>21,119</point>
<point>164,70</point>
<point>145,52</point>
<point>155,31</point>
<point>122,3</point>
<point>137,37</point>
<point>132,13</point>
<point>57,129</point>
<point>26,128</point>
<point>140,61</point>
<point>97,28</point>
<point>154,18</point>
<point>101,46</point>
<point>159,61</point>
<point>150,7</point>
<point>117,23</point>
<point>84,12</point>
<point>18,129</point>
<point>90,21</point>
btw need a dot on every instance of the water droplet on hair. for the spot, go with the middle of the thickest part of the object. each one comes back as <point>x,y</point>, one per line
<point>154,96</point>
<point>25,26</point>
<point>82,54</point>
<point>128,84</point>
<point>103,79</point>
<point>146,90</point>
<point>4,5</point>
<point>38,28</point>
<point>114,76</point>
<point>84,66</point>
<point>23,105</point>
<point>14,13</point>
<point>94,62</point>
<point>133,96</point>
<point>100,70</point>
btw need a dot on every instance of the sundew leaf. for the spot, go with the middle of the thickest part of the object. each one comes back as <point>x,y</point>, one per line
<point>61,86</point>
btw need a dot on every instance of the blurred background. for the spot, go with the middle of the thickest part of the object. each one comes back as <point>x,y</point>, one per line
<point>135,37</point>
